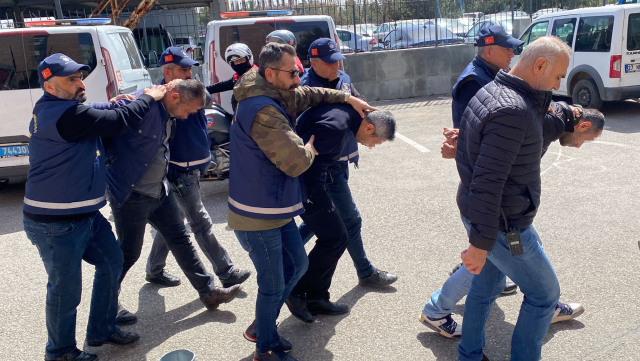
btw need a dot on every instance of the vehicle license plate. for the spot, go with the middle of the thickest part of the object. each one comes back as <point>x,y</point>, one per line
<point>632,68</point>
<point>14,151</point>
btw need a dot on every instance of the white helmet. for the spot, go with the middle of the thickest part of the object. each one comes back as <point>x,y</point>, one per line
<point>237,51</point>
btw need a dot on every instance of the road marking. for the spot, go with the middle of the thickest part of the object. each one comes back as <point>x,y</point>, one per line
<point>412,143</point>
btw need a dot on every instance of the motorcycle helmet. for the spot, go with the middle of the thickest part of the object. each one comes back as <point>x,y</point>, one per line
<point>237,51</point>
<point>282,37</point>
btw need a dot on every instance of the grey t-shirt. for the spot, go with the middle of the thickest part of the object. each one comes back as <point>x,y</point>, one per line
<point>154,180</point>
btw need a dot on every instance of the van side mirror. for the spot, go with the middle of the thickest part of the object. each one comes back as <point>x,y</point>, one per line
<point>152,59</point>
<point>518,50</point>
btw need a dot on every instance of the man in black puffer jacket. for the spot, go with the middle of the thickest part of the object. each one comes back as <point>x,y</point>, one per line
<point>498,159</point>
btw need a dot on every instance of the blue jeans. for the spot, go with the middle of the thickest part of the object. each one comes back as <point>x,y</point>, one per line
<point>443,301</point>
<point>62,247</point>
<point>191,206</point>
<point>280,261</point>
<point>163,214</point>
<point>341,196</point>
<point>533,273</point>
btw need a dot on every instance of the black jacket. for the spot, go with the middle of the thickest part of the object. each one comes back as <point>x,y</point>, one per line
<point>498,158</point>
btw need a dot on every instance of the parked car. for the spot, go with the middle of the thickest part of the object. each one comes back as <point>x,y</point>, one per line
<point>152,41</point>
<point>251,28</point>
<point>384,29</point>
<point>110,52</point>
<point>508,25</point>
<point>419,35</point>
<point>355,41</point>
<point>605,43</point>
<point>366,29</point>
<point>457,27</point>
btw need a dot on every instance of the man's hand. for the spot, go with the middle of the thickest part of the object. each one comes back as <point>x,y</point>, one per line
<point>359,105</point>
<point>577,111</point>
<point>451,133</point>
<point>156,91</point>
<point>309,145</point>
<point>172,84</point>
<point>474,259</point>
<point>448,149</point>
<point>122,96</point>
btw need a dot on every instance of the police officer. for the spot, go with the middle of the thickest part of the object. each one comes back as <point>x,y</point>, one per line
<point>325,72</point>
<point>64,191</point>
<point>139,192</point>
<point>190,155</point>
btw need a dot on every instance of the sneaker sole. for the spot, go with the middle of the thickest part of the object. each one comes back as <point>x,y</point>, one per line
<point>508,292</point>
<point>249,337</point>
<point>423,320</point>
<point>575,314</point>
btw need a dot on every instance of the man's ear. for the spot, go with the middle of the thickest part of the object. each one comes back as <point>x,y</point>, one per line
<point>540,66</point>
<point>270,75</point>
<point>48,86</point>
<point>583,126</point>
<point>369,129</point>
<point>175,97</point>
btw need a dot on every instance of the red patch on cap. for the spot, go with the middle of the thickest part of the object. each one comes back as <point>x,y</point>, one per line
<point>46,73</point>
<point>488,40</point>
<point>168,58</point>
<point>314,52</point>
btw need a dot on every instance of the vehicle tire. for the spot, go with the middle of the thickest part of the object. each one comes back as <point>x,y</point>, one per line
<point>586,93</point>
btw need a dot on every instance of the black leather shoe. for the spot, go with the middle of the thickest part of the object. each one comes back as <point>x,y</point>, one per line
<point>163,279</point>
<point>119,338</point>
<point>510,288</point>
<point>378,279</point>
<point>237,277</point>
<point>125,317</point>
<point>220,295</point>
<point>76,355</point>
<point>326,307</point>
<point>298,307</point>
<point>272,355</point>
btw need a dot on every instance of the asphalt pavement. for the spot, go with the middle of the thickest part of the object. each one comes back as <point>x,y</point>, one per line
<point>588,221</point>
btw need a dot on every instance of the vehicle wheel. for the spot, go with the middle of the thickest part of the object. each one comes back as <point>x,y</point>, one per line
<point>585,93</point>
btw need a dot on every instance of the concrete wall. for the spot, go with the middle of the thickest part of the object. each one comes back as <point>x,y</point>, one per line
<point>398,74</point>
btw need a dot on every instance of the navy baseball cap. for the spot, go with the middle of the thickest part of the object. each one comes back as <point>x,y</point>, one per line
<point>496,35</point>
<point>58,65</point>
<point>176,55</point>
<point>326,50</point>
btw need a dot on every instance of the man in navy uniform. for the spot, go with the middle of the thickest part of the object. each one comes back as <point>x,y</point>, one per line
<point>64,191</point>
<point>190,155</point>
<point>325,72</point>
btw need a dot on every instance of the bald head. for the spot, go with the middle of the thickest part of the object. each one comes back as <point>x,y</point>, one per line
<point>543,63</point>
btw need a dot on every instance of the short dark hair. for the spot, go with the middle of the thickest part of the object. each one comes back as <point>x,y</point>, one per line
<point>271,56</point>
<point>191,90</point>
<point>595,117</point>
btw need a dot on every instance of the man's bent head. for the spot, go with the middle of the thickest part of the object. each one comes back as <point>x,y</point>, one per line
<point>377,127</point>
<point>185,98</point>
<point>589,127</point>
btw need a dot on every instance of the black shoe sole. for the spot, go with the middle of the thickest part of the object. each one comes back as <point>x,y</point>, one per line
<point>126,322</point>
<point>101,343</point>
<point>328,313</point>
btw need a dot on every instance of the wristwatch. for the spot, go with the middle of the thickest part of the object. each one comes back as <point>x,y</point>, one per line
<point>347,94</point>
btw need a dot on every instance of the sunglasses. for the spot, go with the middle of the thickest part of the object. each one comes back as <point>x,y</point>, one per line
<point>294,73</point>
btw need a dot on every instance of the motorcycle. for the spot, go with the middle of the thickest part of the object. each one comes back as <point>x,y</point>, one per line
<point>218,126</point>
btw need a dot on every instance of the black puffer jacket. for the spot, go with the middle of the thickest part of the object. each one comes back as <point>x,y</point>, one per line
<point>498,158</point>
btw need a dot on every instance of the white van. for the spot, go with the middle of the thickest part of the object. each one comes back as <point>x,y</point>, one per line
<point>110,51</point>
<point>252,29</point>
<point>605,63</point>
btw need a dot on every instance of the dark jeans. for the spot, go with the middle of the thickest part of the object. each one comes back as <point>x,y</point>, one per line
<point>325,221</point>
<point>280,260</point>
<point>191,206</point>
<point>62,247</point>
<point>341,196</point>
<point>164,215</point>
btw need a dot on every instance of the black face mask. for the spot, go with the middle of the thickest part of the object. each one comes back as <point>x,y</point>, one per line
<point>240,69</point>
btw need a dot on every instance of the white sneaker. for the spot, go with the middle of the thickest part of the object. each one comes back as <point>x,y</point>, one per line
<point>446,325</point>
<point>567,311</point>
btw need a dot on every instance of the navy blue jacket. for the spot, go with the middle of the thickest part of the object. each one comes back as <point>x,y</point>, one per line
<point>333,125</point>
<point>257,188</point>
<point>498,157</point>
<point>476,75</point>
<point>310,78</point>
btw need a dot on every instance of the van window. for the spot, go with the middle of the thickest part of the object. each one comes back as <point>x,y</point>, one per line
<point>594,34</point>
<point>564,29</point>
<point>537,31</point>
<point>156,39</point>
<point>124,54</point>
<point>633,32</point>
<point>254,35</point>
<point>21,53</point>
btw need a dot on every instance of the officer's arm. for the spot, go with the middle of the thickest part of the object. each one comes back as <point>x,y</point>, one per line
<point>222,86</point>
<point>307,97</point>
<point>85,122</point>
<point>466,91</point>
<point>284,148</point>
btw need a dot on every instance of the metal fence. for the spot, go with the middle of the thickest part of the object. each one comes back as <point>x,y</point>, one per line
<point>365,25</point>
